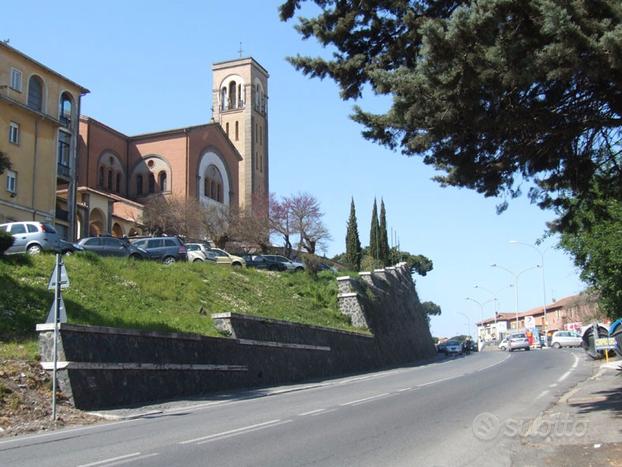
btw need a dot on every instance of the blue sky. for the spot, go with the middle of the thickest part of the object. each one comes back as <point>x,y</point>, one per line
<point>148,67</point>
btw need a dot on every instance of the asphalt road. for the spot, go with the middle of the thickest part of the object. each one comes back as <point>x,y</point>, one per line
<point>463,411</point>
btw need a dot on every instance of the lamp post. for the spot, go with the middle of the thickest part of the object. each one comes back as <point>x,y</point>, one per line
<point>481,314</point>
<point>494,298</point>
<point>516,276</point>
<point>541,253</point>
<point>468,322</point>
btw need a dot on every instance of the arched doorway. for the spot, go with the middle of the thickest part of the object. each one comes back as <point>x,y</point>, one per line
<point>97,220</point>
<point>117,230</point>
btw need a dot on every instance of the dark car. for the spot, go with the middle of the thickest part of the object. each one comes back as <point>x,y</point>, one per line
<point>112,246</point>
<point>282,260</point>
<point>260,262</point>
<point>68,248</point>
<point>165,249</point>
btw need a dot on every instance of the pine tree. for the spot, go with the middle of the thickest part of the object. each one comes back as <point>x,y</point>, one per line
<point>374,233</point>
<point>383,240</point>
<point>353,244</point>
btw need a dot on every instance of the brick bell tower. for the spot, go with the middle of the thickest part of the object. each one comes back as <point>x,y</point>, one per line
<point>240,106</point>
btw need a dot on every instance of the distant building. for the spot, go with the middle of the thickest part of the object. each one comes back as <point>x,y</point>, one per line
<point>569,313</point>
<point>39,111</point>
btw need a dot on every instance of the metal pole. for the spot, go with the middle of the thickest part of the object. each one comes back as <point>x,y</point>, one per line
<point>57,295</point>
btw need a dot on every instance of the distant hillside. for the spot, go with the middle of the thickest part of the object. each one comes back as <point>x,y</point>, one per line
<point>150,296</point>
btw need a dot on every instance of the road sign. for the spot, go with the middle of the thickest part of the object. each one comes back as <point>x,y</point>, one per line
<point>605,343</point>
<point>64,278</point>
<point>530,322</point>
<point>62,313</point>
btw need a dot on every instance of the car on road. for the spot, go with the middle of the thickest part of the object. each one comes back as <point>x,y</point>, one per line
<point>518,341</point>
<point>168,250</point>
<point>454,347</point>
<point>503,345</point>
<point>112,246</point>
<point>566,339</point>
<point>288,263</point>
<point>31,237</point>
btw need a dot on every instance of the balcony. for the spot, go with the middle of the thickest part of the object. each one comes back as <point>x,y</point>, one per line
<point>63,171</point>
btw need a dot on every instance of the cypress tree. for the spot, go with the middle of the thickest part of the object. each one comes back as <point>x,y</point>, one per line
<point>374,233</point>
<point>353,244</point>
<point>383,240</point>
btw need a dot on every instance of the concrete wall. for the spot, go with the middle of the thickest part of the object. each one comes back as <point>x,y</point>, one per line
<point>106,367</point>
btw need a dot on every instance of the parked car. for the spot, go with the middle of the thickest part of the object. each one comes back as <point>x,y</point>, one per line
<point>453,347</point>
<point>518,341</point>
<point>31,237</point>
<point>68,248</point>
<point>288,263</point>
<point>503,345</point>
<point>112,246</point>
<point>195,255</point>
<point>260,262</point>
<point>219,256</point>
<point>165,249</point>
<point>566,339</point>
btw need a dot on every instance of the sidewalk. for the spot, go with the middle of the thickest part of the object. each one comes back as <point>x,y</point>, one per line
<point>583,428</point>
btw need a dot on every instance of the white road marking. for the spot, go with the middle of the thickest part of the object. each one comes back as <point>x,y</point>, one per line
<point>323,412</point>
<point>311,412</point>
<point>542,394</point>
<point>249,427</point>
<point>230,435</point>
<point>366,399</point>
<point>437,381</point>
<point>112,459</point>
<point>565,375</point>
<point>404,389</point>
<point>133,459</point>
<point>553,385</point>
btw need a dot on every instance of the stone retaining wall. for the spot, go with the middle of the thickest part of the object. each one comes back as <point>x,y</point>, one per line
<point>107,367</point>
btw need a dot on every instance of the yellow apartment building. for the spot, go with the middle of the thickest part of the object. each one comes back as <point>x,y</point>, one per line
<point>39,115</point>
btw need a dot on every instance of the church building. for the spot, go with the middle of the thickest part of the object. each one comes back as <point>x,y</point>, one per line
<point>223,163</point>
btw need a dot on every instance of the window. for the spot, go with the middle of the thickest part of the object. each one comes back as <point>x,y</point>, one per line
<point>11,181</point>
<point>64,143</point>
<point>64,112</point>
<point>227,128</point>
<point>223,99</point>
<point>18,229</point>
<point>110,180</point>
<point>256,132</point>
<point>139,184</point>
<point>213,184</point>
<point>32,228</point>
<point>162,181</point>
<point>16,79</point>
<point>151,183</point>
<point>232,95</point>
<point>14,133</point>
<point>118,190</point>
<point>100,180</point>
<point>237,131</point>
<point>35,93</point>
<point>260,134</point>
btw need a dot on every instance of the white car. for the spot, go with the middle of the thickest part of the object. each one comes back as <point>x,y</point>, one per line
<point>518,341</point>
<point>565,339</point>
<point>216,255</point>
<point>504,344</point>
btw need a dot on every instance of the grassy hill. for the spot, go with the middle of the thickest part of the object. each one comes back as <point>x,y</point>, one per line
<point>150,296</point>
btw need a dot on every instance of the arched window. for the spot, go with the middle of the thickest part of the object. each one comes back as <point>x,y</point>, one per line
<point>109,179</point>
<point>227,128</point>
<point>139,184</point>
<point>66,106</point>
<point>100,181</point>
<point>213,185</point>
<point>223,98</point>
<point>162,181</point>
<point>232,95</point>
<point>118,190</point>
<point>35,93</point>
<point>237,131</point>
<point>151,183</point>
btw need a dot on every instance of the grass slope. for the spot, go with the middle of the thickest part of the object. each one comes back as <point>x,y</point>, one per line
<point>150,296</point>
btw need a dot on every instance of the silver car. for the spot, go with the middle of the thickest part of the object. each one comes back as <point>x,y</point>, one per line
<point>32,237</point>
<point>518,341</point>
<point>566,339</point>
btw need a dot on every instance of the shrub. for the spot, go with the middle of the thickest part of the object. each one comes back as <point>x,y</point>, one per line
<point>6,240</point>
<point>312,265</point>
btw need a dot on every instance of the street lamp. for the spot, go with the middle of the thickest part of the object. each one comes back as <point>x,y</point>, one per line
<point>468,322</point>
<point>494,297</point>
<point>541,253</point>
<point>516,276</point>
<point>481,307</point>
